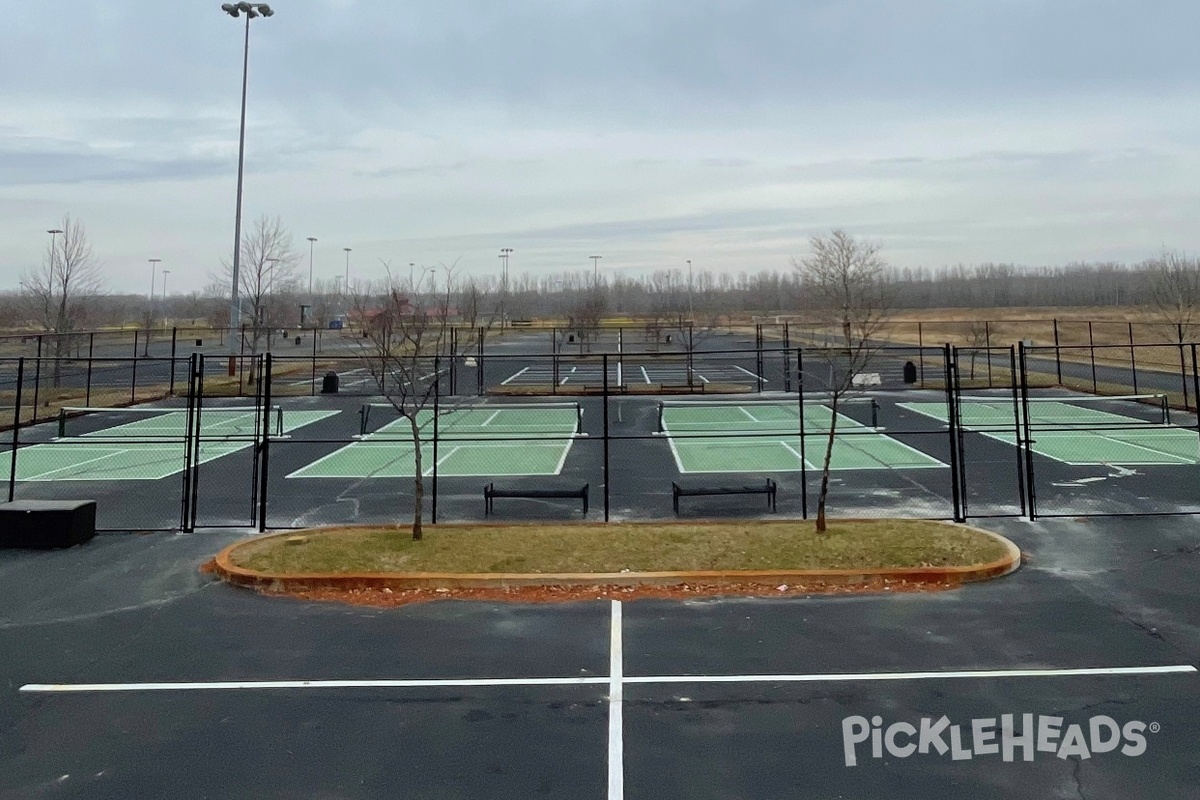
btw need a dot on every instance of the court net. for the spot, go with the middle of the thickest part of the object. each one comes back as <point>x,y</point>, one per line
<point>168,424</point>
<point>516,419</point>
<point>1082,412</point>
<point>676,416</point>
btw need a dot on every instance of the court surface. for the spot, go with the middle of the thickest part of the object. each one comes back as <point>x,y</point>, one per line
<point>1137,438</point>
<point>630,372</point>
<point>149,448</point>
<point>776,443</point>
<point>471,442</point>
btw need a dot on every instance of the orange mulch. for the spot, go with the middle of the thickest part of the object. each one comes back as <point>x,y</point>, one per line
<point>565,594</point>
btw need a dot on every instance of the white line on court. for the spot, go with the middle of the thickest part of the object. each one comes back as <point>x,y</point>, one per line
<point>514,376</point>
<point>831,677</point>
<point>616,702</point>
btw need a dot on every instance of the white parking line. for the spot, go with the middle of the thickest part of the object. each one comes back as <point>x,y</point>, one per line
<point>514,376</point>
<point>828,677</point>
<point>645,375</point>
<point>616,701</point>
<point>751,374</point>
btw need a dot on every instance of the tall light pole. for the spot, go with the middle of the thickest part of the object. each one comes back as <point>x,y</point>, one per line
<point>347,249</point>
<point>53,233</point>
<point>251,10</point>
<point>504,253</point>
<point>154,262</point>
<point>166,272</point>
<point>311,241</point>
<point>689,263</point>
<point>595,269</point>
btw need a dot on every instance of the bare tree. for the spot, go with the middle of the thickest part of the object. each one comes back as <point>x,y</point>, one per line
<point>1175,291</point>
<point>267,271</point>
<point>58,292</point>
<point>845,284</point>
<point>408,342</point>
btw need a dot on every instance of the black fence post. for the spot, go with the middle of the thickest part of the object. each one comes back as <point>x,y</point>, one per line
<point>174,341</point>
<point>758,356</point>
<point>1092,350</point>
<point>1057,354</point>
<point>437,386</point>
<point>453,359</point>
<point>133,382</point>
<point>16,435</point>
<point>803,455</point>
<point>185,514</point>
<point>1031,486</point>
<point>37,380</point>
<point>953,427</point>
<point>1195,380</point>
<point>1132,359</point>
<point>312,388</point>
<point>199,414</point>
<point>787,358</point>
<point>604,366</point>
<point>921,360</point>
<point>264,464</point>
<point>87,391</point>
<point>1183,368</point>
<point>479,362</point>
<point>1018,438</point>
<point>987,344</point>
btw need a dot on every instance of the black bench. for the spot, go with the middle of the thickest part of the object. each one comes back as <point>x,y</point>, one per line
<point>491,492</point>
<point>767,488</point>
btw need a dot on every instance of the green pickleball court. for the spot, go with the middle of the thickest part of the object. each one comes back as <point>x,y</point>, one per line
<point>856,446</point>
<point>1139,438</point>
<point>470,443</point>
<point>155,448</point>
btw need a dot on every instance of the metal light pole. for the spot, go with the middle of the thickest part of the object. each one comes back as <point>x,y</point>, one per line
<point>53,234</point>
<point>412,287</point>
<point>311,241</point>
<point>166,272</point>
<point>154,262</point>
<point>347,249</point>
<point>504,253</point>
<point>595,269</point>
<point>251,10</point>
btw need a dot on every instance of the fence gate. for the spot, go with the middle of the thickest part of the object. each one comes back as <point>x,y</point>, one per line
<point>987,432</point>
<point>226,439</point>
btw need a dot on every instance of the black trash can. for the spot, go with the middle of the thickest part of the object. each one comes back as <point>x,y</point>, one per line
<point>199,343</point>
<point>329,384</point>
<point>297,340</point>
<point>910,372</point>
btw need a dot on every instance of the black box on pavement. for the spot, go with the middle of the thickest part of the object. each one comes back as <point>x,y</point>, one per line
<point>47,523</point>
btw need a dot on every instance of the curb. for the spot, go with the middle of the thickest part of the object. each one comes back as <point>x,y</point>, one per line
<point>942,577</point>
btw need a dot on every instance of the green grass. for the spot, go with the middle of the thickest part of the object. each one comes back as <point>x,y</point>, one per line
<point>638,547</point>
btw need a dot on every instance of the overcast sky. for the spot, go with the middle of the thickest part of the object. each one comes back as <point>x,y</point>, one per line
<point>439,131</point>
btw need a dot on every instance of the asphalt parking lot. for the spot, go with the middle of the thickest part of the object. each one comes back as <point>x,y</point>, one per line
<point>719,698</point>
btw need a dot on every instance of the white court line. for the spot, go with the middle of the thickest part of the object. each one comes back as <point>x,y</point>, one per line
<point>829,677</point>
<point>440,461</point>
<point>616,702</point>
<point>489,419</point>
<point>41,475</point>
<point>751,374</point>
<point>514,376</point>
